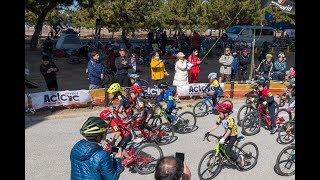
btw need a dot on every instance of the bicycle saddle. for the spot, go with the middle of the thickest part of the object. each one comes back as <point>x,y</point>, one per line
<point>240,138</point>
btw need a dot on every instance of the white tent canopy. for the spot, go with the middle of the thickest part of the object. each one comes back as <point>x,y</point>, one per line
<point>68,41</point>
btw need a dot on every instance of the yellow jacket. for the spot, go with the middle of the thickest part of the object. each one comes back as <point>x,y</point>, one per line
<point>158,70</point>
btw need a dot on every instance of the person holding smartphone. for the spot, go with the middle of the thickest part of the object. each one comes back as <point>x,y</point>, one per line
<point>170,167</point>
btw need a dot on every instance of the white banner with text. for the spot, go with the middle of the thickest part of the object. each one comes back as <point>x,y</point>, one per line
<point>195,89</point>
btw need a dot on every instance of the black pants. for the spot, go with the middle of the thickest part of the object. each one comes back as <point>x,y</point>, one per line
<point>229,151</point>
<point>123,143</point>
<point>242,73</point>
<point>123,80</point>
<point>272,112</point>
<point>52,85</point>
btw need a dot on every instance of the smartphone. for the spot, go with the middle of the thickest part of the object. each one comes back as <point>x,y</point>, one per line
<point>180,156</point>
<point>114,149</point>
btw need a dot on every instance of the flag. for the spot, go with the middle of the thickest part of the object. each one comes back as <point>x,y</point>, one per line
<point>285,5</point>
<point>268,16</point>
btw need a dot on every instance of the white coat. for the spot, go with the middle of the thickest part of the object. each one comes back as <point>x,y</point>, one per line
<point>181,73</point>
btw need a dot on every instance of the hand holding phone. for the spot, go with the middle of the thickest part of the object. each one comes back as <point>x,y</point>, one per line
<point>180,156</point>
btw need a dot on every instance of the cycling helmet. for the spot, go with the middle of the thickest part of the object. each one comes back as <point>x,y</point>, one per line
<point>134,76</point>
<point>163,85</point>
<point>262,83</point>
<point>136,89</point>
<point>93,127</point>
<point>212,75</point>
<point>115,87</point>
<point>292,72</point>
<point>105,114</point>
<point>225,108</point>
<point>269,55</point>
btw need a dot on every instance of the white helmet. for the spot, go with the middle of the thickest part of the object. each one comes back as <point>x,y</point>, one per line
<point>212,75</point>
<point>134,76</point>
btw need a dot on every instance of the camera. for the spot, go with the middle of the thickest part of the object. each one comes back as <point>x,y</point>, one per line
<point>180,156</point>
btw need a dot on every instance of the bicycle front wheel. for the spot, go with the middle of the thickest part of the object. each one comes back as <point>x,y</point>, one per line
<point>286,132</point>
<point>285,163</point>
<point>209,166</point>
<point>250,153</point>
<point>155,121</point>
<point>165,132</point>
<point>243,111</point>
<point>282,116</point>
<point>200,109</point>
<point>187,122</point>
<point>147,157</point>
<point>251,124</point>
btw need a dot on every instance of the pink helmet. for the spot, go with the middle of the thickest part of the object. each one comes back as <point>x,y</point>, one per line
<point>292,72</point>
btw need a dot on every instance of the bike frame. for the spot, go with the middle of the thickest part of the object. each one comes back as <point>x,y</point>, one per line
<point>262,112</point>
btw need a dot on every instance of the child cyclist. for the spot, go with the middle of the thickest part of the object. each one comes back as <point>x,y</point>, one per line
<point>134,79</point>
<point>230,128</point>
<point>120,129</point>
<point>124,102</point>
<point>215,84</point>
<point>167,95</point>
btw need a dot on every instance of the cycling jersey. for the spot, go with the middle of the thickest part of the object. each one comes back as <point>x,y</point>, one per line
<point>228,124</point>
<point>118,95</point>
<point>266,95</point>
<point>216,86</point>
<point>142,103</point>
<point>137,83</point>
<point>117,125</point>
<point>168,97</point>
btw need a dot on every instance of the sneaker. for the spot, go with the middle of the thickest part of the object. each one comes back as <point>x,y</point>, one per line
<point>137,140</point>
<point>241,160</point>
<point>273,130</point>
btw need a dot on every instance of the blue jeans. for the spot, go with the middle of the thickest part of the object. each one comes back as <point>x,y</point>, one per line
<point>272,110</point>
<point>169,115</point>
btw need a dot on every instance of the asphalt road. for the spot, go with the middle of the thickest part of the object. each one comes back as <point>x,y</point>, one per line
<point>48,144</point>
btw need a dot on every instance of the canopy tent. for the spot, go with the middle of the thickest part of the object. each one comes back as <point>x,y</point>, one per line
<point>282,25</point>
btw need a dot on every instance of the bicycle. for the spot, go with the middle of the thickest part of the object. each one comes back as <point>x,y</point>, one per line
<point>163,133</point>
<point>218,157</point>
<point>248,107</point>
<point>186,121</point>
<point>144,162</point>
<point>287,158</point>
<point>284,97</point>
<point>252,121</point>
<point>286,134</point>
<point>53,35</point>
<point>202,106</point>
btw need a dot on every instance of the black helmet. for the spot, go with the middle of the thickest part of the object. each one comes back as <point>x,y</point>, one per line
<point>262,83</point>
<point>163,85</point>
<point>93,127</point>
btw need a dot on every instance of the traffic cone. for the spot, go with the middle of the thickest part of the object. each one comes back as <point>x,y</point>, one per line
<point>272,50</point>
<point>288,49</point>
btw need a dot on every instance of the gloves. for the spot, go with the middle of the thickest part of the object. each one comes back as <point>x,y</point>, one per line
<point>221,141</point>
<point>289,109</point>
<point>264,103</point>
<point>252,99</point>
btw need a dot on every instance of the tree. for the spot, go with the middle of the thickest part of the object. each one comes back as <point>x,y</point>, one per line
<point>41,8</point>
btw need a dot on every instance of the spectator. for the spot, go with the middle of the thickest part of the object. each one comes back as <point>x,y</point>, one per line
<point>243,61</point>
<point>266,47</point>
<point>158,69</point>
<point>181,70</point>
<point>171,168</point>
<point>225,69</point>
<point>110,62</point>
<point>122,66</point>
<point>88,159</point>
<point>150,37</point>
<point>265,67</point>
<point>48,69</point>
<point>279,68</point>
<point>196,40</point>
<point>133,59</point>
<point>163,42</point>
<point>95,71</point>
<point>48,47</point>
<point>234,65</point>
<point>157,37</point>
<point>195,68</point>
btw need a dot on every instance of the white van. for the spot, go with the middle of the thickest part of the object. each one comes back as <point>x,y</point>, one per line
<point>245,33</point>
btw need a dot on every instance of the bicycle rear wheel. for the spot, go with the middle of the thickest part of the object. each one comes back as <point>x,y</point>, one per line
<point>282,115</point>
<point>243,111</point>
<point>147,157</point>
<point>210,164</point>
<point>200,109</point>
<point>166,132</point>
<point>285,163</point>
<point>186,122</point>
<point>250,152</point>
<point>251,124</point>
<point>227,101</point>
<point>286,135</point>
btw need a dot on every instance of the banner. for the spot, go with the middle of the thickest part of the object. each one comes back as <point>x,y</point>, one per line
<point>285,5</point>
<point>195,89</point>
<point>59,98</point>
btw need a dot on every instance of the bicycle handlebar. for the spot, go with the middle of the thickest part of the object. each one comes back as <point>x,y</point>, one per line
<point>206,136</point>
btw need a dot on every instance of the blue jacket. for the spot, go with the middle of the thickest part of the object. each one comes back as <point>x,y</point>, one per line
<point>168,97</point>
<point>95,69</point>
<point>90,162</point>
<point>280,67</point>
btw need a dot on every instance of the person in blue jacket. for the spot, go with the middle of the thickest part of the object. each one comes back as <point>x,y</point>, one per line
<point>167,95</point>
<point>89,161</point>
<point>95,70</point>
